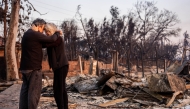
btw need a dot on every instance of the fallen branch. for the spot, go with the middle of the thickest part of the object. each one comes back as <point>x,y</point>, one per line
<point>113,102</point>
<point>173,98</point>
<point>148,103</point>
<point>109,106</point>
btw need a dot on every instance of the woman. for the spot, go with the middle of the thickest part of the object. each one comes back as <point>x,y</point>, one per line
<point>59,64</point>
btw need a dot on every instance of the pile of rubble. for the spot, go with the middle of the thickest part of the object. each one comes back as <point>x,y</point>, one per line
<point>118,90</point>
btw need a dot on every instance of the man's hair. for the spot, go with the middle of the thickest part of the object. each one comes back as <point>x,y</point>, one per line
<point>39,22</point>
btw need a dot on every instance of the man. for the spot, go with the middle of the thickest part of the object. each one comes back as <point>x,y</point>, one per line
<point>30,66</point>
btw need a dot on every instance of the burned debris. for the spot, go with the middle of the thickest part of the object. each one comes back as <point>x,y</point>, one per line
<point>115,88</point>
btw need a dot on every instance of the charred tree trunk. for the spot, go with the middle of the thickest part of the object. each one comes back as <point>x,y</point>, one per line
<point>130,34</point>
<point>115,60</point>
<point>137,62</point>
<point>12,70</point>
<point>95,54</point>
<point>185,43</point>
<point>142,58</point>
<point>72,49</point>
<point>165,66</point>
<point>75,53</point>
<point>156,60</point>
<point>128,63</point>
<point>129,57</point>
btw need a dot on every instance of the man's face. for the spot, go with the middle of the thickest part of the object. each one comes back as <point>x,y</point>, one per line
<point>41,28</point>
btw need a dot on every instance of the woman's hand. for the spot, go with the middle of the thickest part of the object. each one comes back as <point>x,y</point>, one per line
<point>60,32</point>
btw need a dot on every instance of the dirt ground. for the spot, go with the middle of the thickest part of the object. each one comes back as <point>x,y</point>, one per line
<point>9,99</point>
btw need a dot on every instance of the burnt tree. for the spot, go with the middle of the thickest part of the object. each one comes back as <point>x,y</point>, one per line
<point>153,26</point>
<point>12,70</point>
<point>70,30</point>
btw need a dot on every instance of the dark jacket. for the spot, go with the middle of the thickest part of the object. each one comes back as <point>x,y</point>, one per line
<point>56,53</point>
<point>31,44</point>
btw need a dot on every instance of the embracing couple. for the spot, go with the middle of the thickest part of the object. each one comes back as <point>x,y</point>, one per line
<point>32,43</point>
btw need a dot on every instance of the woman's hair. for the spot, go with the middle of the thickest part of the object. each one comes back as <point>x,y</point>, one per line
<point>51,27</point>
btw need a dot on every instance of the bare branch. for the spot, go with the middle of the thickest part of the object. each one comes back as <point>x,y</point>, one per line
<point>35,8</point>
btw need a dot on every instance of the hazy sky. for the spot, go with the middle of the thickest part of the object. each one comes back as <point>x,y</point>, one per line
<point>59,10</point>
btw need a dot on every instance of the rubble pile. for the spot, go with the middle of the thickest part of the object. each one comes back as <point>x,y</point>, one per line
<point>118,90</point>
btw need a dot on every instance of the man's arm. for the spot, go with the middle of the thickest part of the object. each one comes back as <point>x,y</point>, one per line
<point>43,38</point>
<point>53,44</point>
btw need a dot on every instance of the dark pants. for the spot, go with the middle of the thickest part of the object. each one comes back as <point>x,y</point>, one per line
<point>59,87</point>
<point>31,90</point>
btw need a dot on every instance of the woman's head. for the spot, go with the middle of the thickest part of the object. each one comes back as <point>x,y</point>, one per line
<point>50,29</point>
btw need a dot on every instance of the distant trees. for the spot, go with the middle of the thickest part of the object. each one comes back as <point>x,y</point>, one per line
<point>142,34</point>
<point>154,27</point>
<point>70,36</point>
